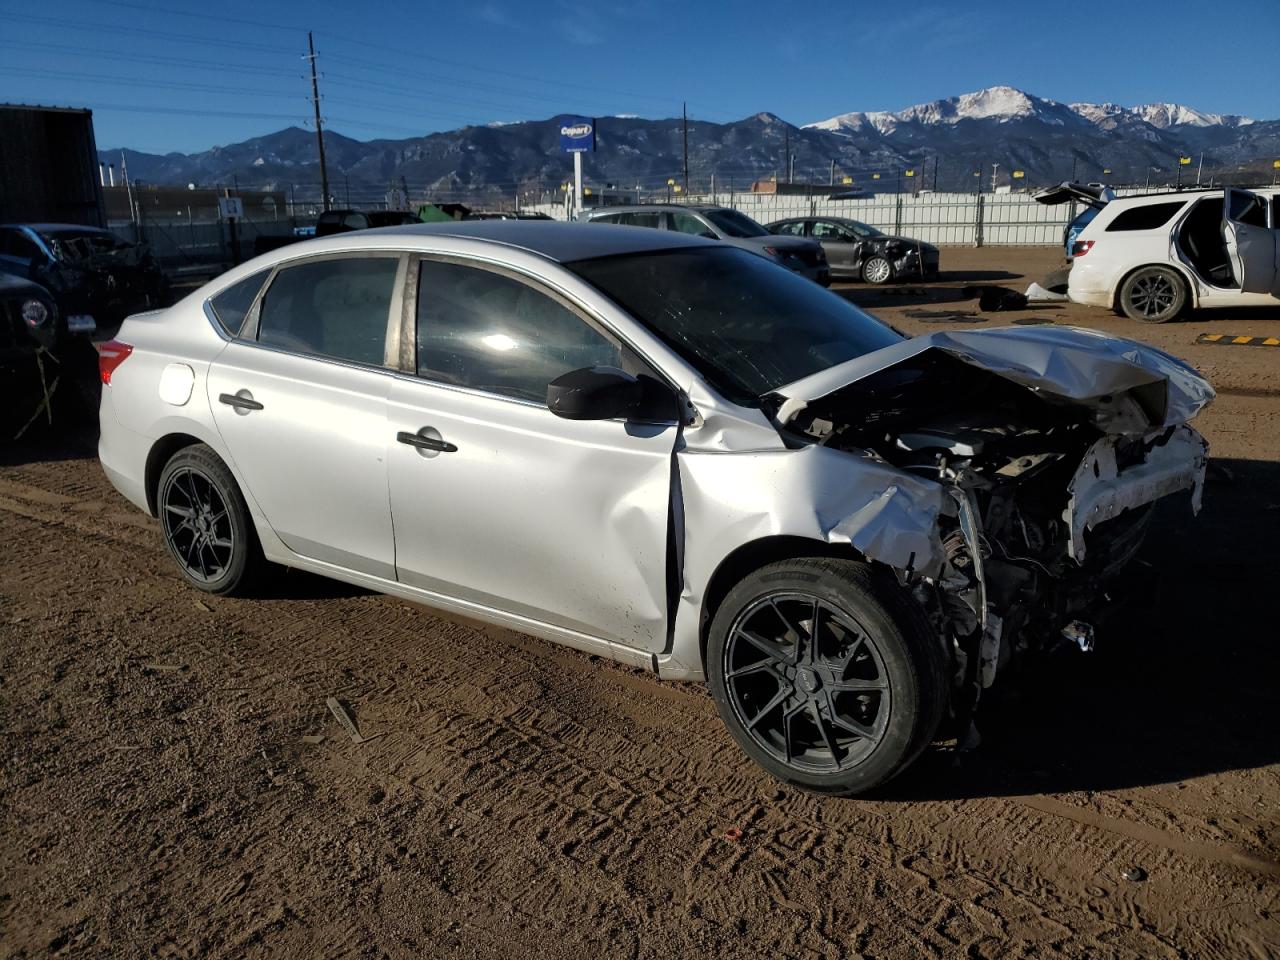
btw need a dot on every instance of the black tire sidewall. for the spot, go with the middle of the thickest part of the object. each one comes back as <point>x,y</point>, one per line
<point>1179,304</point>
<point>915,702</point>
<point>201,459</point>
<point>866,263</point>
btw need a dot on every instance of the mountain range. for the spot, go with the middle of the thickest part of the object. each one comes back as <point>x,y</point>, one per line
<point>945,141</point>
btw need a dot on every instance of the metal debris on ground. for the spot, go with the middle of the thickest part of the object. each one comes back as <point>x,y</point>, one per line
<point>1036,292</point>
<point>162,667</point>
<point>201,605</point>
<point>733,834</point>
<point>348,724</point>
<point>943,316</point>
<point>1231,340</point>
<point>1135,874</point>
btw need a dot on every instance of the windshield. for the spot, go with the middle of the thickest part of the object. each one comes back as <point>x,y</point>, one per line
<point>861,229</point>
<point>735,224</point>
<point>78,244</point>
<point>746,325</point>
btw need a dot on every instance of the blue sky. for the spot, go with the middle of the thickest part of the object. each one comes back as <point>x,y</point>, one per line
<point>179,75</point>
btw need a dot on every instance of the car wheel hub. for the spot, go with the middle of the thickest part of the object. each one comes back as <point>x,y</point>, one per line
<point>807,682</point>
<point>197,525</point>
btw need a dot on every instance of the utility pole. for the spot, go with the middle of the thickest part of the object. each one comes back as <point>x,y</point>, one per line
<point>1199,169</point>
<point>315,102</point>
<point>995,169</point>
<point>684,112</point>
<point>831,181</point>
<point>791,168</point>
<point>786,151</point>
<point>1073,169</point>
<point>935,173</point>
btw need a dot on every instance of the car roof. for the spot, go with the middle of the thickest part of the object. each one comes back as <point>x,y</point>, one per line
<point>554,239</point>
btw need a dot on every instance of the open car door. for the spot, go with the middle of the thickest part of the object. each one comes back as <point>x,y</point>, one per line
<point>1251,244</point>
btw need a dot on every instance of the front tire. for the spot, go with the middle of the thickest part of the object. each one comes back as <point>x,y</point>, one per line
<point>1153,295</point>
<point>206,523</point>
<point>826,674</point>
<point>877,270</point>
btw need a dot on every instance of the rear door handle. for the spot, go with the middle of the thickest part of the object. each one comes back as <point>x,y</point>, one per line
<point>435,444</point>
<point>239,402</point>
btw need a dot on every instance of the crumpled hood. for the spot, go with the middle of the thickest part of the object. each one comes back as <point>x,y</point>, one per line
<point>1119,380</point>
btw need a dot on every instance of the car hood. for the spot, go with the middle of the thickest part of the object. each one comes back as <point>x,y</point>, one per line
<point>14,286</point>
<point>1130,387</point>
<point>885,239</point>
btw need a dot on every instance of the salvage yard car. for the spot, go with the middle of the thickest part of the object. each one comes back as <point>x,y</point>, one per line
<point>663,450</point>
<point>733,227</point>
<point>856,251</point>
<point>95,276</point>
<point>1155,256</point>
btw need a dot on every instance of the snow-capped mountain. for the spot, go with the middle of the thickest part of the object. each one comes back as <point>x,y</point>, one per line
<point>1005,104</point>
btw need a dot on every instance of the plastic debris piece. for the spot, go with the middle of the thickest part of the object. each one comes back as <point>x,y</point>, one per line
<point>733,834</point>
<point>1135,874</point>
<point>348,724</point>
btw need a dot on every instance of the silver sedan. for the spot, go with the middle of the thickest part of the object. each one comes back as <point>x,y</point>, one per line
<point>662,450</point>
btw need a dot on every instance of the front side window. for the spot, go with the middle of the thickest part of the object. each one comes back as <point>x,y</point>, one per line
<point>826,230</point>
<point>745,324</point>
<point>682,222</point>
<point>335,308</point>
<point>232,305</point>
<point>653,220</point>
<point>793,229</point>
<point>488,331</point>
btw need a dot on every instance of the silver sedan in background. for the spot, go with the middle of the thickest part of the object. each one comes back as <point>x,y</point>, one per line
<point>659,449</point>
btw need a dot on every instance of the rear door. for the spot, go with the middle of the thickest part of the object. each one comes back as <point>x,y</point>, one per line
<point>512,508</point>
<point>1251,244</point>
<point>301,403</point>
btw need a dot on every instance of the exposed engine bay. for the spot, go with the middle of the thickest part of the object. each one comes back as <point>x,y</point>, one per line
<point>1047,505</point>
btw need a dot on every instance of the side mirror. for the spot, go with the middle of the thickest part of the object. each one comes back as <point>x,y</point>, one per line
<point>708,235</point>
<point>594,393</point>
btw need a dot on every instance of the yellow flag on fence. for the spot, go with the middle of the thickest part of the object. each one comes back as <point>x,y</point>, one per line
<point>1018,174</point>
<point>1276,164</point>
<point>850,179</point>
<point>1185,161</point>
<point>1106,169</point>
<point>911,173</point>
<point>875,176</point>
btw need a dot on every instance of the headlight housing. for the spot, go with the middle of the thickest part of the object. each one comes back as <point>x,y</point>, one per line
<point>35,313</point>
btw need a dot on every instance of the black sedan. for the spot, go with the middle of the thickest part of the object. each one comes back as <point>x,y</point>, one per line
<point>856,251</point>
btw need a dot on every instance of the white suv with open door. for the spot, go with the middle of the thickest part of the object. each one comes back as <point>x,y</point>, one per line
<point>1156,255</point>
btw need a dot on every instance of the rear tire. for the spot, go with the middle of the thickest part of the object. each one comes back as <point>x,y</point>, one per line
<point>840,714</point>
<point>206,523</point>
<point>1153,295</point>
<point>877,270</point>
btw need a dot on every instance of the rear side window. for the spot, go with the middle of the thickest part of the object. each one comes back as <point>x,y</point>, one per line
<point>331,308</point>
<point>1247,208</point>
<point>607,218</point>
<point>1147,217</point>
<point>491,332</point>
<point>795,229</point>
<point>232,305</point>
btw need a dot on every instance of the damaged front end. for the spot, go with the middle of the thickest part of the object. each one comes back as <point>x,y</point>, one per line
<point>1052,446</point>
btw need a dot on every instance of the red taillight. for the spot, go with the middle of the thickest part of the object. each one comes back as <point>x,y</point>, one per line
<point>1081,247</point>
<point>110,355</point>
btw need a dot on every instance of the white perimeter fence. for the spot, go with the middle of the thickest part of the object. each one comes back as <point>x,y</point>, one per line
<point>945,219</point>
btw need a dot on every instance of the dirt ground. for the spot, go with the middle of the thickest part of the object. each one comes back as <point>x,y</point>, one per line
<point>172,784</point>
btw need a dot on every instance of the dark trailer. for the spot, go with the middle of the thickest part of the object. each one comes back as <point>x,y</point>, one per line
<point>49,166</point>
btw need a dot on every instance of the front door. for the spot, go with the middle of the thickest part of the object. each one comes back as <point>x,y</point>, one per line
<point>1251,244</point>
<point>498,502</point>
<point>839,245</point>
<point>301,402</point>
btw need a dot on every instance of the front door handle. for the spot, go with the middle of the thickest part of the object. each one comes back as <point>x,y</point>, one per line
<point>424,441</point>
<point>239,402</point>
